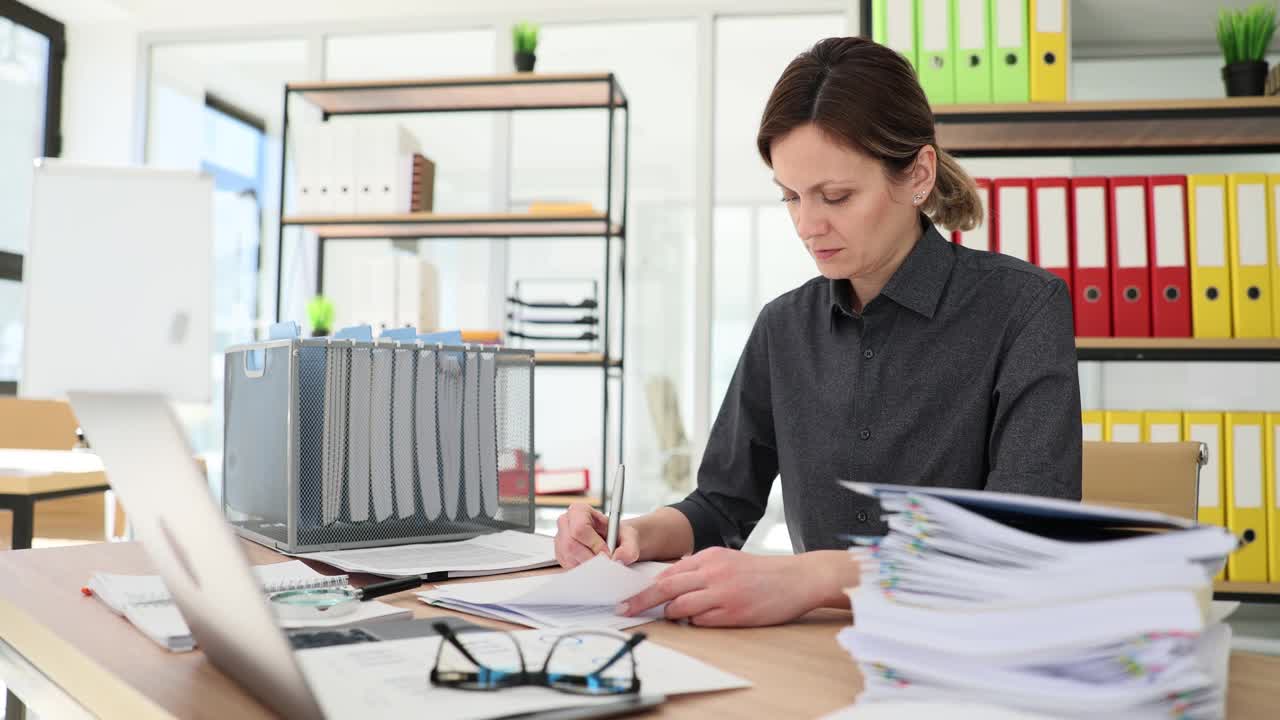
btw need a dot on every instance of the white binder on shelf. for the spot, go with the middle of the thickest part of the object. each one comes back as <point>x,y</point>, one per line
<point>342,169</point>
<point>386,168</point>
<point>313,159</point>
<point>366,168</point>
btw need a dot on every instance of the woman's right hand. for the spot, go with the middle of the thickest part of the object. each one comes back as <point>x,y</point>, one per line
<point>581,533</point>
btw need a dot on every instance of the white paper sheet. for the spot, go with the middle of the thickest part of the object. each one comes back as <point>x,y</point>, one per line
<point>390,679</point>
<point>582,597</point>
<point>507,551</point>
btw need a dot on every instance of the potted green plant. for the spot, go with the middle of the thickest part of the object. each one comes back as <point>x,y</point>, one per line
<point>1244,36</point>
<point>525,37</point>
<point>320,312</point>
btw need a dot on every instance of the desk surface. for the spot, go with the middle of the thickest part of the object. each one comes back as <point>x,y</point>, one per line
<point>34,483</point>
<point>115,671</point>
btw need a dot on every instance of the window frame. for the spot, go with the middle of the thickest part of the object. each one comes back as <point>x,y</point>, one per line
<point>56,33</point>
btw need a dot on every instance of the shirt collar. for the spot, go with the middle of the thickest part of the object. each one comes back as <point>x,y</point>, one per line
<point>917,284</point>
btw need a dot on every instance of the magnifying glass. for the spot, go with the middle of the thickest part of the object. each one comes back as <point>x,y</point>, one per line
<point>323,603</point>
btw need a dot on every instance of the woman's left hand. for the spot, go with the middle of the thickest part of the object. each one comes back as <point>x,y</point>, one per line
<point>730,588</point>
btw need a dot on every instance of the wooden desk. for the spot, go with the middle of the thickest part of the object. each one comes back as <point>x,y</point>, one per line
<point>20,492</point>
<point>112,670</point>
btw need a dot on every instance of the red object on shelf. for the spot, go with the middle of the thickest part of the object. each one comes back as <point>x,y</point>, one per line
<point>1051,226</point>
<point>1090,250</point>
<point>1011,218</point>
<point>1130,264</point>
<point>514,481</point>
<point>1170,272</point>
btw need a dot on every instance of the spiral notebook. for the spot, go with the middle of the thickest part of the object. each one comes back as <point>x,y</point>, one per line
<point>145,601</point>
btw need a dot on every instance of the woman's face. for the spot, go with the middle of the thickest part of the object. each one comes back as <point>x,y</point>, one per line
<point>852,219</point>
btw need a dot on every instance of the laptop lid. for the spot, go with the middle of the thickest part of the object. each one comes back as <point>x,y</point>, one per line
<point>150,465</point>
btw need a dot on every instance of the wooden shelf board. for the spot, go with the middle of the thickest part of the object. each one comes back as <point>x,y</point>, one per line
<point>1222,105</point>
<point>564,500</point>
<point>1251,588</point>
<point>1180,343</point>
<point>1100,128</point>
<point>456,94</point>
<point>454,225</point>
<point>573,359</point>
<point>1178,350</point>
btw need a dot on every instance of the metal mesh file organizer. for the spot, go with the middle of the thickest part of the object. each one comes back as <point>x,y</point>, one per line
<point>333,444</point>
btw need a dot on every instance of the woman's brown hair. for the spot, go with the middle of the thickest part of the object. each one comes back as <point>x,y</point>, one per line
<point>866,96</point>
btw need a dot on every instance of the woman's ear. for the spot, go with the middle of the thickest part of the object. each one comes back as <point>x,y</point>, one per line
<point>924,171</point>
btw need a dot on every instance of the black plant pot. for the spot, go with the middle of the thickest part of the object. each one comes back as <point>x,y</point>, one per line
<point>525,60</point>
<point>1245,78</point>
<point>319,332</point>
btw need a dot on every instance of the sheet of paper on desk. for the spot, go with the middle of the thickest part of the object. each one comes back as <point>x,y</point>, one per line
<point>492,554</point>
<point>18,462</point>
<point>400,687</point>
<point>582,597</point>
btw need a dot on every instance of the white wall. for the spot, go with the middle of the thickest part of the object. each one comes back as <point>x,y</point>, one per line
<point>100,93</point>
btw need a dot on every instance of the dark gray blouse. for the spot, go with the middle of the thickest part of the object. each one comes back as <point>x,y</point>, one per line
<point>961,373</point>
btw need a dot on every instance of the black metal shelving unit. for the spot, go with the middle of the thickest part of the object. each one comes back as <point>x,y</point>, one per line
<point>521,92</point>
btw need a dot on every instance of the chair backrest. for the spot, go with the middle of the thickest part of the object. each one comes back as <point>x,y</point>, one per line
<point>1149,476</point>
<point>37,424</point>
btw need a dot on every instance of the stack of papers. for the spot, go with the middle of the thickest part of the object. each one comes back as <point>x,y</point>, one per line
<point>584,597</point>
<point>1055,607</point>
<point>145,601</point>
<point>492,554</point>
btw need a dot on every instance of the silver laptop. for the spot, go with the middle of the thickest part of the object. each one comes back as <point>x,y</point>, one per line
<point>150,465</point>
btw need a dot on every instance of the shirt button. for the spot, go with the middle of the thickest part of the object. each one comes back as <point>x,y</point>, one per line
<point>868,354</point>
<point>865,434</point>
<point>862,516</point>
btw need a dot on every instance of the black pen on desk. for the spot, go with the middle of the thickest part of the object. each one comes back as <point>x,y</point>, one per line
<point>389,587</point>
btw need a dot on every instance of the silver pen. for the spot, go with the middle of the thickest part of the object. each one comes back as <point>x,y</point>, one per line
<point>615,507</point>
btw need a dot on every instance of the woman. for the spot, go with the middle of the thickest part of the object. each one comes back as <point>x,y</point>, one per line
<point>910,360</point>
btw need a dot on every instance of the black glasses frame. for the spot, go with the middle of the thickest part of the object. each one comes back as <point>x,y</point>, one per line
<point>486,679</point>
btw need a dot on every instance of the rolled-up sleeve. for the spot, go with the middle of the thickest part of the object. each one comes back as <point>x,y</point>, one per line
<point>741,458</point>
<point>1035,442</point>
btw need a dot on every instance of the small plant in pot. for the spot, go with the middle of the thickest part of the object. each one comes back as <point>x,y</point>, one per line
<point>320,312</point>
<point>525,37</point>
<point>1244,36</point>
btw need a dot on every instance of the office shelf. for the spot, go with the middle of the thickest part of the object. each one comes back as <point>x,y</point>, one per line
<point>553,359</point>
<point>1178,349</point>
<point>1140,127</point>
<point>564,501</point>
<point>504,93</point>
<point>522,91</point>
<point>1246,591</point>
<point>455,225</point>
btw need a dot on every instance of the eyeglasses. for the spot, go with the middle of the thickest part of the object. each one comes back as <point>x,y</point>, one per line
<point>583,663</point>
